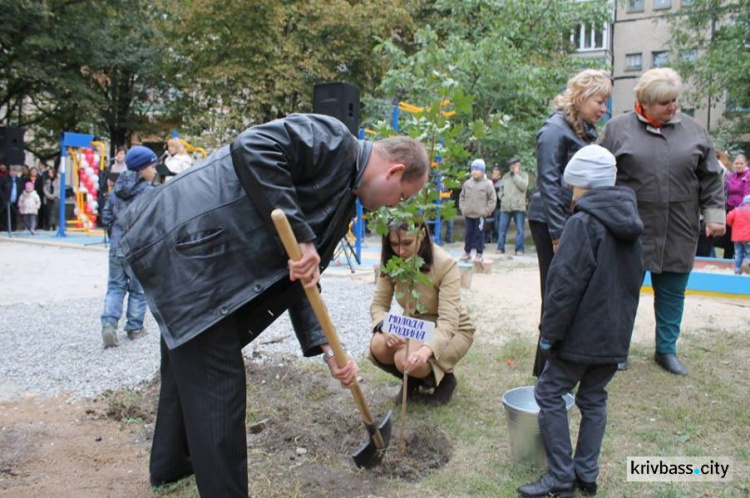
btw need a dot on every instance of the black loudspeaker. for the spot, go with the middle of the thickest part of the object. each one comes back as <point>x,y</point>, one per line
<point>340,100</point>
<point>11,146</point>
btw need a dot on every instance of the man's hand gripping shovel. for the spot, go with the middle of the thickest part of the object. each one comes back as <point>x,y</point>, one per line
<point>369,453</point>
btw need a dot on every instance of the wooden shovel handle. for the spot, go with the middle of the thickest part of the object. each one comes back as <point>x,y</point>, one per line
<point>321,312</point>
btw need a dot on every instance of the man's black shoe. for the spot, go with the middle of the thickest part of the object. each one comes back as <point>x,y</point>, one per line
<point>158,483</point>
<point>587,488</point>
<point>670,363</point>
<point>544,487</point>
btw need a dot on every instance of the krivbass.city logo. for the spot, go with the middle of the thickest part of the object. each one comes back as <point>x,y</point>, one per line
<point>664,469</point>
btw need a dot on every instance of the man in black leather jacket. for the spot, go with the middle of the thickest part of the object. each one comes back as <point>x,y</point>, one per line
<point>216,275</point>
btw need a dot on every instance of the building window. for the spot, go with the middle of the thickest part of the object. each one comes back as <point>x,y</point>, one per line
<point>660,59</point>
<point>633,62</point>
<point>689,56</point>
<point>662,4</point>
<point>635,6</point>
<point>587,37</point>
<point>738,102</point>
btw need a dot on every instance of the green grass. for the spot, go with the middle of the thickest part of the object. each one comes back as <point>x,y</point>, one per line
<point>650,413</point>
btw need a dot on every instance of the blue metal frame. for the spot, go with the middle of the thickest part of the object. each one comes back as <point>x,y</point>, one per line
<point>78,141</point>
<point>359,221</point>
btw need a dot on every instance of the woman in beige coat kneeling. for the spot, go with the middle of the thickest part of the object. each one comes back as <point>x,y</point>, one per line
<point>430,364</point>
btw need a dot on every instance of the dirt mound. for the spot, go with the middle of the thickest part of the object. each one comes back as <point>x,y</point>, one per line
<point>303,418</point>
<point>427,450</point>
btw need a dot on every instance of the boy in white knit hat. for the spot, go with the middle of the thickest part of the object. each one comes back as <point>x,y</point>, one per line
<point>590,300</point>
<point>477,201</point>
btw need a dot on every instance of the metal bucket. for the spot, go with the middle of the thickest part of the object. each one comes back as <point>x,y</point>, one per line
<point>521,412</point>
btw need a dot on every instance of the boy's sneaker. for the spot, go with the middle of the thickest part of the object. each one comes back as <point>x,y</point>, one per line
<point>136,334</point>
<point>466,257</point>
<point>478,257</point>
<point>109,335</point>
<point>746,268</point>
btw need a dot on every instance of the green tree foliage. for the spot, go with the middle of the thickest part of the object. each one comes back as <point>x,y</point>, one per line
<point>719,32</point>
<point>87,66</point>
<point>511,56</point>
<point>239,62</point>
<point>438,126</point>
<point>125,71</point>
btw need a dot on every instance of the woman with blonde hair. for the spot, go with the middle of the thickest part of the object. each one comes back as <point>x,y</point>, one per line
<point>668,159</point>
<point>571,126</point>
<point>177,160</point>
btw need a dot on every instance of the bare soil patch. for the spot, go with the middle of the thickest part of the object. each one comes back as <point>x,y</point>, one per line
<point>56,448</point>
<point>302,427</point>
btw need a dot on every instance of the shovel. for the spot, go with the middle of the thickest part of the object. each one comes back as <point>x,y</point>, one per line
<point>369,453</point>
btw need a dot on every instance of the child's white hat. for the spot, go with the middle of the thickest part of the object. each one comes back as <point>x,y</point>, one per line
<point>591,167</point>
<point>478,164</point>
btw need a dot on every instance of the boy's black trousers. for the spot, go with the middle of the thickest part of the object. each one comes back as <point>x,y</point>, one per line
<point>558,378</point>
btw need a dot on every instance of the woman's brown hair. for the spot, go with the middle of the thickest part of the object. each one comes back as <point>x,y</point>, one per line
<point>425,247</point>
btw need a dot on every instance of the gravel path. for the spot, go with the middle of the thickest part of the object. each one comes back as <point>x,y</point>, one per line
<point>50,339</point>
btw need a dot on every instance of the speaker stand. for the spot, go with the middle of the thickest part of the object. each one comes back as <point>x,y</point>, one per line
<point>104,241</point>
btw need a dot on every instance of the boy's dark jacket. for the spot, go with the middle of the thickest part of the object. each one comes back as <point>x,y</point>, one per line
<point>594,280</point>
<point>128,186</point>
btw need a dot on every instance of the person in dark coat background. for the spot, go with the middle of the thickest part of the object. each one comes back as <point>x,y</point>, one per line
<point>572,126</point>
<point>11,188</point>
<point>593,288</point>
<point>216,275</point>
<point>669,160</point>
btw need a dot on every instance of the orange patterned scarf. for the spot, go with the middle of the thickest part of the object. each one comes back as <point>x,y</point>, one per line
<point>641,113</point>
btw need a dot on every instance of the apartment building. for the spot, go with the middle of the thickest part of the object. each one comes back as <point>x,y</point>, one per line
<point>641,41</point>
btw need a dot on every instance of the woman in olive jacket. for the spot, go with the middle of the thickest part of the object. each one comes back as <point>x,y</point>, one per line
<point>668,159</point>
<point>429,363</point>
<point>572,126</point>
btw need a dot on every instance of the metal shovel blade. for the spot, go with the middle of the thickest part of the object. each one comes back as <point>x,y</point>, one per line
<point>369,455</point>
